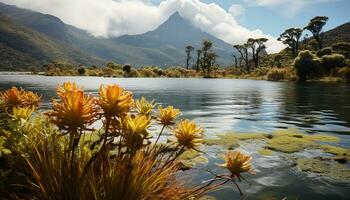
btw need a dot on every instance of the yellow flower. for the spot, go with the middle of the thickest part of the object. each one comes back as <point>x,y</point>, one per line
<point>135,130</point>
<point>67,86</point>
<point>114,100</point>
<point>167,115</point>
<point>74,110</point>
<point>188,134</point>
<point>19,98</point>
<point>237,163</point>
<point>22,113</point>
<point>144,107</point>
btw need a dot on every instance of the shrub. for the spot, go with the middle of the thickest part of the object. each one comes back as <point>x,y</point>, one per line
<point>342,48</point>
<point>306,65</point>
<point>114,66</point>
<point>81,71</point>
<point>324,51</point>
<point>275,74</point>
<point>127,68</point>
<point>61,157</point>
<point>330,62</point>
<point>346,74</point>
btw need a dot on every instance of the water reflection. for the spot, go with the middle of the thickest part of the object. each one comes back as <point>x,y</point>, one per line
<point>242,106</point>
<point>225,105</point>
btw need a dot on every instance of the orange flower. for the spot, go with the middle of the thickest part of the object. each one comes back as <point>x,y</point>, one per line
<point>114,100</point>
<point>74,110</point>
<point>167,115</point>
<point>67,86</point>
<point>19,98</point>
<point>237,163</point>
<point>188,134</point>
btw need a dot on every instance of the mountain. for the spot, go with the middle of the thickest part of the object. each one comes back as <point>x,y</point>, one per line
<point>163,46</point>
<point>22,48</point>
<point>174,35</point>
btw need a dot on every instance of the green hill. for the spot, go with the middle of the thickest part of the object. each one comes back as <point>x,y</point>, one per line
<point>22,48</point>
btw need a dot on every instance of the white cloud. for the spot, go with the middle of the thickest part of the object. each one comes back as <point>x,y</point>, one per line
<point>118,17</point>
<point>237,10</point>
<point>288,8</point>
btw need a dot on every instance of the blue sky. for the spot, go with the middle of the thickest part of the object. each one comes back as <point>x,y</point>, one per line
<point>273,18</point>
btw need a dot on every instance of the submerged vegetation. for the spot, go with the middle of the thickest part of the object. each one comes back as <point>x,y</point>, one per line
<point>61,154</point>
<point>329,162</point>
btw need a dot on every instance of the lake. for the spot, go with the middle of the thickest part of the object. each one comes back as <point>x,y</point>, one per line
<point>223,105</point>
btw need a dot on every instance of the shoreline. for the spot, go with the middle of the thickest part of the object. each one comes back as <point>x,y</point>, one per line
<point>330,79</point>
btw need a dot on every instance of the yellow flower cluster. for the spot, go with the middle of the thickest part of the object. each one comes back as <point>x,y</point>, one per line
<point>167,115</point>
<point>74,109</point>
<point>188,134</point>
<point>144,107</point>
<point>15,97</point>
<point>237,163</point>
<point>22,112</point>
<point>114,100</point>
<point>135,130</point>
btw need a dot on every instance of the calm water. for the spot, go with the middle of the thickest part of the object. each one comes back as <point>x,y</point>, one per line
<point>221,105</point>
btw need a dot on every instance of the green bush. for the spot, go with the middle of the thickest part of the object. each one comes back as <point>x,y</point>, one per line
<point>306,65</point>
<point>275,74</point>
<point>127,68</point>
<point>342,48</point>
<point>330,62</point>
<point>324,51</point>
<point>346,74</point>
<point>81,71</point>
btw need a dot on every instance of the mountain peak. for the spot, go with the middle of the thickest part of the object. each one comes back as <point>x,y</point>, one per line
<point>175,15</point>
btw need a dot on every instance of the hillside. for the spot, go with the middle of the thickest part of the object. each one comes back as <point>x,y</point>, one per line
<point>338,34</point>
<point>161,47</point>
<point>22,48</point>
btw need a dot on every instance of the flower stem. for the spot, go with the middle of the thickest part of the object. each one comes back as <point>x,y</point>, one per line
<point>161,131</point>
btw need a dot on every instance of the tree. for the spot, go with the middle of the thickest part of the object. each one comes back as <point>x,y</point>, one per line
<point>199,53</point>
<point>243,51</point>
<point>235,59</point>
<point>291,38</point>
<point>208,55</point>
<point>188,51</point>
<point>127,68</point>
<point>306,64</point>
<point>256,46</point>
<point>315,27</point>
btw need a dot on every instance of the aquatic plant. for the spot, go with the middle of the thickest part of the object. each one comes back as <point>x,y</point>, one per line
<point>60,156</point>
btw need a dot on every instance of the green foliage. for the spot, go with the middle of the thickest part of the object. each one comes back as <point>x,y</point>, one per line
<point>291,38</point>
<point>275,74</point>
<point>315,27</point>
<point>346,73</point>
<point>188,51</point>
<point>330,62</point>
<point>324,51</point>
<point>306,65</point>
<point>81,70</point>
<point>22,48</point>
<point>342,48</point>
<point>127,68</point>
